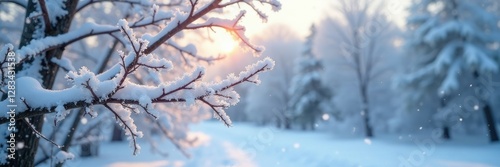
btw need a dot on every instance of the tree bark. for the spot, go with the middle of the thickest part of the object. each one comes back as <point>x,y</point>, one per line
<point>25,156</point>
<point>490,123</point>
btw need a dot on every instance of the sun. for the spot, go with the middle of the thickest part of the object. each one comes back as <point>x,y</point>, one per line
<point>225,43</point>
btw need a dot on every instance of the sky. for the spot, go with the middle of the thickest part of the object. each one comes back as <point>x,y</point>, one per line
<point>300,14</point>
<point>297,15</point>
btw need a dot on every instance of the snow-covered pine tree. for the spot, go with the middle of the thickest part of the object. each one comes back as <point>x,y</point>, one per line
<point>308,94</point>
<point>450,40</point>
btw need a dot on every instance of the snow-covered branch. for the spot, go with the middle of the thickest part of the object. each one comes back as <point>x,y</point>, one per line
<point>276,5</point>
<point>179,21</point>
<point>184,20</point>
<point>85,3</point>
<point>120,96</point>
<point>183,90</point>
<point>123,88</point>
<point>89,29</point>
<point>230,26</point>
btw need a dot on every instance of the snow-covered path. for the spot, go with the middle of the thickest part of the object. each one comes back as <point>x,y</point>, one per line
<point>266,146</point>
<point>249,146</point>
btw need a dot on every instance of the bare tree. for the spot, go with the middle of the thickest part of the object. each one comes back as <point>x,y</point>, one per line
<point>360,42</point>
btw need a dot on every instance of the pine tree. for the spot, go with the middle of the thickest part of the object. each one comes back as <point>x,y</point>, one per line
<point>450,40</point>
<point>307,92</point>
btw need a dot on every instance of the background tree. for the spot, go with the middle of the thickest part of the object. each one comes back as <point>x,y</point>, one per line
<point>360,43</point>
<point>42,52</point>
<point>270,104</point>
<point>308,94</point>
<point>451,42</point>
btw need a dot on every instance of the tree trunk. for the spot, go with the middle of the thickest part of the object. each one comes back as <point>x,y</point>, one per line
<point>86,150</point>
<point>25,156</point>
<point>288,125</point>
<point>90,149</point>
<point>366,112</point>
<point>446,129</point>
<point>488,116</point>
<point>368,128</point>
<point>278,123</point>
<point>490,122</point>
<point>117,134</point>
<point>446,133</point>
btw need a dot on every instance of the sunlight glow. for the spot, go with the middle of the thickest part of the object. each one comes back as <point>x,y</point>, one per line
<point>225,43</point>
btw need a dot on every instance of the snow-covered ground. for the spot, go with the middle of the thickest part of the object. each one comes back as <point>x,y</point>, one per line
<point>245,145</point>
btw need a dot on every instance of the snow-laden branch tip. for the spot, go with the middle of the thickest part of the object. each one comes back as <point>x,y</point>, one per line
<point>62,156</point>
<point>64,63</point>
<point>275,5</point>
<point>231,25</point>
<point>183,20</point>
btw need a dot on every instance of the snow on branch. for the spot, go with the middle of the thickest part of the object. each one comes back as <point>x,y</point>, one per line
<point>89,29</point>
<point>179,21</point>
<point>64,63</point>
<point>93,91</point>
<point>146,3</point>
<point>122,97</point>
<point>184,20</point>
<point>229,25</point>
<point>187,89</point>
<point>276,6</point>
<point>114,89</point>
<point>62,156</point>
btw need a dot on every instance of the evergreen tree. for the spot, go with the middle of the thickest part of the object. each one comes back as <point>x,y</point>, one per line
<point>307,92</point>
<point>451,40</point>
